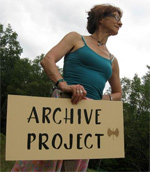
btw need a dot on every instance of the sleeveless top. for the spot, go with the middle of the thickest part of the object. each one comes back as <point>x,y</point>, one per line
<point>87,68</point>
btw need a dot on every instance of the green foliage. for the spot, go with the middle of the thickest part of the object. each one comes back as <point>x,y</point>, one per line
<point>136,102</point>
<point>136,116</point>
<point>28,78</point>
<point>19,76</point>
<point>5,166</point>
<point>10,52</point>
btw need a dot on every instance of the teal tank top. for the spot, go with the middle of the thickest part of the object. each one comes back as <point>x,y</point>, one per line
<point>87,68</point>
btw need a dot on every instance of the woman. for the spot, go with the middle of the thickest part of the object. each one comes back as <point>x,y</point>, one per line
<point>88,65</point>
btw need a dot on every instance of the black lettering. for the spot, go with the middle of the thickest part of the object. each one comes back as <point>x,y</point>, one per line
<point>97,115</point>
<point>70,142</point>
<point>71,116</point>
<point>35,115</point>
<point>45,115</point>
<point>85,141</point>
<point>41,143</point>
<point>29,141</point>
<point>78,141</point>
<point>79,116</point>
<point>86,116</point>
<point>54,141</point>
<point>98,140</point>
<point>57,109</point>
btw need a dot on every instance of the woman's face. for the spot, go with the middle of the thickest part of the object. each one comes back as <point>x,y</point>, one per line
<point>111,24</point>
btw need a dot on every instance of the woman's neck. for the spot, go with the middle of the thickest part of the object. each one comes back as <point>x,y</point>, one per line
<point>101,37</point>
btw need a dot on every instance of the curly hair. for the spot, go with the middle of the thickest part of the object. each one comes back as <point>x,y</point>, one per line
<point>97,13</point>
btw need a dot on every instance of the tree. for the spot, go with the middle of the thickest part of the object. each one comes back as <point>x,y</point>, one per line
<point>136,114</point>
<point>19,76</point>
<point>136,105</point>
<point>10,51</point>
<point>38,80</point>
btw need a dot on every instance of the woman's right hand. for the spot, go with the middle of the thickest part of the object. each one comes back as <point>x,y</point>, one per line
<point>78,91</point>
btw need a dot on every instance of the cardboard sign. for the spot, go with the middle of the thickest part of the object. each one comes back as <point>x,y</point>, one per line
<point>40,128</point>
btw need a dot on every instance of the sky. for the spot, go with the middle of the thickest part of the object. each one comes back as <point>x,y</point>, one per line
<point>41,24</point>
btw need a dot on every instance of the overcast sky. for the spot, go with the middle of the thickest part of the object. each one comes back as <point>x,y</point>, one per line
<point>41,24</point>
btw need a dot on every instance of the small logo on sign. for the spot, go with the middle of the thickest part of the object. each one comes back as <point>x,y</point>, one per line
<point>113,133</point>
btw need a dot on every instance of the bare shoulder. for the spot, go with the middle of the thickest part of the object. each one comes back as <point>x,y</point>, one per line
<point>72,36</point>
<point>115,65</point>
<point>115,61</point>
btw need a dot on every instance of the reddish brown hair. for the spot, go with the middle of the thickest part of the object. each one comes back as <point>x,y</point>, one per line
<point>97,13</point>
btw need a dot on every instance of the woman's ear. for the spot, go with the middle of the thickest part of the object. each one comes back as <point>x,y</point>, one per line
<point>101,21</point>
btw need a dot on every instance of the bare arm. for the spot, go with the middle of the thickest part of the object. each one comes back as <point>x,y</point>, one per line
<point>53,56</point>
<point>114,82</point>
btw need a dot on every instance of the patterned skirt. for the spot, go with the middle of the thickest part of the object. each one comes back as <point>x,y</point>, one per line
<point>52,165</point>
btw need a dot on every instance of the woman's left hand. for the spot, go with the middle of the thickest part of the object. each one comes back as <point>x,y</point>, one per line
<point>78,91</point>
<point>106,97</point>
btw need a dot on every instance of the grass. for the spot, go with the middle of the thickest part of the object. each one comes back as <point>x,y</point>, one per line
<point>91,170</point>
<point>5,166</point>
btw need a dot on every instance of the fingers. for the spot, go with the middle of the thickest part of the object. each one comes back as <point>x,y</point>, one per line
<point>78,93</point>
